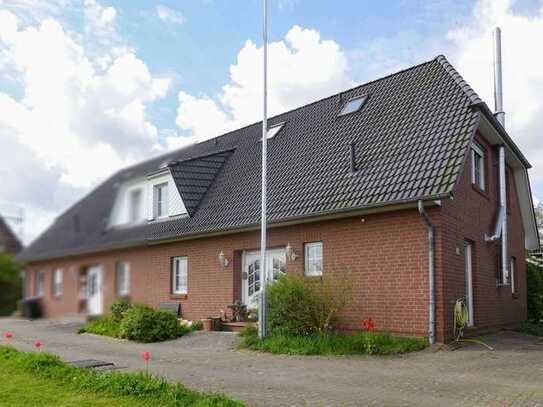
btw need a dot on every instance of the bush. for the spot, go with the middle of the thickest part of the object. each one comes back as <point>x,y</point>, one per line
<point>10,285</point>
<point>534,276</point>
<point>119,308</point>
<point>107,326</point>
<point>299,306</point>
<point>145,324</point>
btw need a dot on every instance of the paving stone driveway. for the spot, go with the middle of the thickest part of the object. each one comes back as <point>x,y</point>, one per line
<point>472,376</point>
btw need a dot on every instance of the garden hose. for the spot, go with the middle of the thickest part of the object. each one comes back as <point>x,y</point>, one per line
<point>461,319</point>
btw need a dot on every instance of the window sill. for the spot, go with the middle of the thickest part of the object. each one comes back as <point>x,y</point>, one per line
<point>480,191</point>
<point>178,296</point>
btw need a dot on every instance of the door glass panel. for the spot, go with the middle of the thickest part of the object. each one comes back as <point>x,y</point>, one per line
<point>253,276</point>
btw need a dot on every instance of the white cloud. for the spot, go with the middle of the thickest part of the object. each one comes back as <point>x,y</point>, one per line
<point>522,70</point>
<point>77,121</point>
<point>302,68</point>
<point>168,15</point>
<point>99,20</point>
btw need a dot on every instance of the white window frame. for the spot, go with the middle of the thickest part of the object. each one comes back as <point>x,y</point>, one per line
<point>40,283</point>
<point>122,267</point>
<point>477,151</point>
<point>160,205</point>
<point>57,281</point>
<point>135,205</point>
<point>179,267</point>
<point>309,271</point>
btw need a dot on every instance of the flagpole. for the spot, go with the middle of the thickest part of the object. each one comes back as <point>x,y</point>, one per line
<point>262,314</point>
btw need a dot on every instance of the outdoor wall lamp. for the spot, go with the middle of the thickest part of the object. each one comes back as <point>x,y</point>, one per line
<point>291,254</point>
<point>223,261</point>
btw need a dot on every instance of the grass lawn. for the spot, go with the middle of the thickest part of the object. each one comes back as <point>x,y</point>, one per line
<point>106,325</point>
<point>41,379</point>
<point>332,344</point>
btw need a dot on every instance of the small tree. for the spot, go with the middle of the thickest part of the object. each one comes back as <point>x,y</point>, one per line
<point>534,277</point>
<point>10,285</point>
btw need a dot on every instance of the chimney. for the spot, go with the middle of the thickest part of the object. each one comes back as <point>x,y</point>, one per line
<point>498,89</point>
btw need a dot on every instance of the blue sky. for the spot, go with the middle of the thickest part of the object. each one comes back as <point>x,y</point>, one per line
<point>90,86</point>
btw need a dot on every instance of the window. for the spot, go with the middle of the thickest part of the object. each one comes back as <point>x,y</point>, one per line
<point>353,105</point>
<point>122,278</point>
<point>477,166</point>
<point>160,202</point>
<point>135,205</point>
<point>179,275</point>
<point>313,259</point>
<point>57,283</point>
<point>40,280</point>
<point>502,278</point>
<point>512,276</point>
<point>273,130</point>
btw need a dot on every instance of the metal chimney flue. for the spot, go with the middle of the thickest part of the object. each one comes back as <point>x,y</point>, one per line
<point>498,89</point>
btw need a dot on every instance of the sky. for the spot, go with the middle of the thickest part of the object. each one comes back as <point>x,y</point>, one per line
<point>90,86</point>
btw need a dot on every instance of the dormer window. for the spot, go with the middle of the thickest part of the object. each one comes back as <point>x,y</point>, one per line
<point>135,205</point>
<point>160,200</point>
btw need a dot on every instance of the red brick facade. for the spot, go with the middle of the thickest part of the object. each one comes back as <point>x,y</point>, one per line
<point>387,254</point>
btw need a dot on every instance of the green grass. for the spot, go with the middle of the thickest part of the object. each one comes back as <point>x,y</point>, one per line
<point>332,344</point>
<point>42,379</point>
<point>532,328</point>
<point>107,326</point>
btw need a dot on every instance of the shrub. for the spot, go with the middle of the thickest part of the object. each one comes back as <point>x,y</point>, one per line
<point>534,276</point>
<point>299,306</point>
<point>197,326</point>
<point>107,326</point>
<point>145,324</point>
<point>119,308</point>
<point>10,285</point>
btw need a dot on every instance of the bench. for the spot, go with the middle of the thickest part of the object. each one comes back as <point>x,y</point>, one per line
<point>173,307</point>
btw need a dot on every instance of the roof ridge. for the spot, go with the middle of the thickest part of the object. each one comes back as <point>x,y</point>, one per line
<point>466,88</point>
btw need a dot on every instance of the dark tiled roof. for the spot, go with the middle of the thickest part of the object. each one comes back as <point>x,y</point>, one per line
<point>9,242</point>
<point>410,139</point>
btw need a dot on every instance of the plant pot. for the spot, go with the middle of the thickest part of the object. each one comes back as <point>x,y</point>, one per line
<point>207,324</point>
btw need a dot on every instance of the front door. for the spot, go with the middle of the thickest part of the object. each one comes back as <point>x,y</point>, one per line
<point>250,283</point>
<point>468,269</point>
<point>94,290</point>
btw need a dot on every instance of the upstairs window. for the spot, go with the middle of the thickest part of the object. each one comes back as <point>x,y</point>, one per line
<point>122,278</point>
<point>313,259</point>
<point>179,276</point>
<point>353,105</point>
<point>135,205</point>
<point>478,166</point>
<point>57,283</point>
<point>160,200</point>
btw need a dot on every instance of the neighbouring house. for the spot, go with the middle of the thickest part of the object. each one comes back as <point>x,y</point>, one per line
<point>9,242</point>
<point>354,181</point>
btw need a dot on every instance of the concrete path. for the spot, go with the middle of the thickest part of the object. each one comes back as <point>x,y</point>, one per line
<point>472,376</point>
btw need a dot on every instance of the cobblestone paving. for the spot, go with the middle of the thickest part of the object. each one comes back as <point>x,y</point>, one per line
<point>512,375</point>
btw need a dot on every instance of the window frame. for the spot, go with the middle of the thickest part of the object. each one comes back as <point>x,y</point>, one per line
<point>56,286</point>
<point>158,191</point>
<point>308,259</point>
<point>179,290</point>
<point>478,167</point>
<point>39,289</point>
<point>122,291</point>
<point>133,214</point>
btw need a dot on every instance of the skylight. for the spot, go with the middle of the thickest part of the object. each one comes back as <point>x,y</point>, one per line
<point>353,105</point>
<point>273,130</point>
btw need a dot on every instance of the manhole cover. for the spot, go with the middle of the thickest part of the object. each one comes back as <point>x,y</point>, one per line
<point>90,363</point>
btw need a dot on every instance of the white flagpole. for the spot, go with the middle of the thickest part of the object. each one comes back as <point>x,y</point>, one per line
<point>262,313</point>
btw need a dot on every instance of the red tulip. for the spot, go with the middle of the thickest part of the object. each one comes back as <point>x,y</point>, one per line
<point>38,344</point>
<point>8,335</point>
<point>368,325</point>
<point>146,356</point>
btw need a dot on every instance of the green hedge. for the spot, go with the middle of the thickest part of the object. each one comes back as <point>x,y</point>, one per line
<point>10,285</point>
<point>150,389</point>
<point>534,276</point>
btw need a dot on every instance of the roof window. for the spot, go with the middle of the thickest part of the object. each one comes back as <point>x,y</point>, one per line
<point>274,130</point>
<point>353,105</point>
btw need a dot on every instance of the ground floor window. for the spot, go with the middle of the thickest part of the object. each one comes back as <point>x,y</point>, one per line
<point>57,283</point>
<point>40,281</point>
<point>123,278</point>
<point>179,275</point>
<point>313,259</point>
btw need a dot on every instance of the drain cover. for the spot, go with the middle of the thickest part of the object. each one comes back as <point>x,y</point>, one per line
<point>90,363</point>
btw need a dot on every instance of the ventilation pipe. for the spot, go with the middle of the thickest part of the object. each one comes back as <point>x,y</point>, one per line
<point>500,116</point>
<point>431,275</point>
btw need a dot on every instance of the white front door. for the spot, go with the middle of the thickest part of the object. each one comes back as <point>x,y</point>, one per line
<point>468,267</point>
<point>250,276</point>
<point>94,290</point>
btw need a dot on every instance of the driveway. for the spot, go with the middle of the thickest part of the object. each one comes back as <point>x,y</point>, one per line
<point>511,375</point>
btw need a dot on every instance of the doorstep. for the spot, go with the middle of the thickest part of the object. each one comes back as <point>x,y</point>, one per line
<point>236,326</point>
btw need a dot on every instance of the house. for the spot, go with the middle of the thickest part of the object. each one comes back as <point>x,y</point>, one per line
<point>9,242</point>
<point>355,181</point>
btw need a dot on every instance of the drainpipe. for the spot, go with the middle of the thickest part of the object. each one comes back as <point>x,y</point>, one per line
<point>431,275</point>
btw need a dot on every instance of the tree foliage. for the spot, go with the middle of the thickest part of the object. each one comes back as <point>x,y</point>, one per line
<point>534,275</point>
<point>10,285</point>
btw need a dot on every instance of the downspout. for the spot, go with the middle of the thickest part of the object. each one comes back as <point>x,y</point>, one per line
<point>431,274</point>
